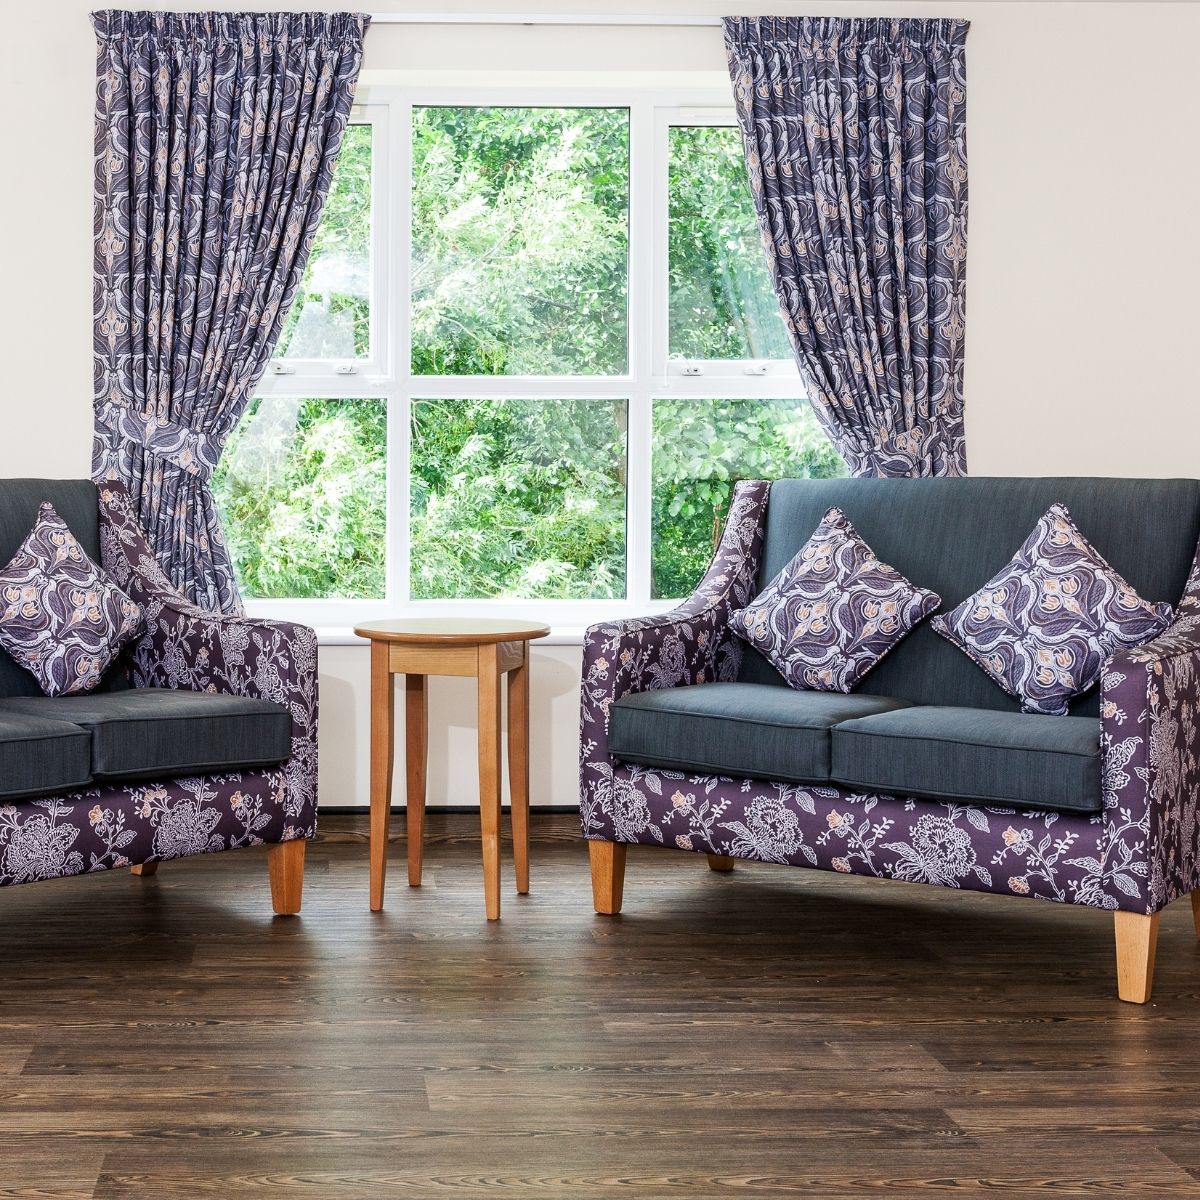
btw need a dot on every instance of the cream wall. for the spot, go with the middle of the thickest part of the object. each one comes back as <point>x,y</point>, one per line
<point>1082,124</point>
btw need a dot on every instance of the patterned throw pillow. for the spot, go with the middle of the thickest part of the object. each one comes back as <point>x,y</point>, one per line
<point>833,612</point>
<point>60,618</point>
<point>1043,627</point>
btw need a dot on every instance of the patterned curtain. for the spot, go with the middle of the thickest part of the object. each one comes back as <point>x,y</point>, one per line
<point>855,139</point>
<point>216,137</point>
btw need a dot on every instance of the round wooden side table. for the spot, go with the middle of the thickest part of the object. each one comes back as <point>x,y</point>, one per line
<point>482,649</point>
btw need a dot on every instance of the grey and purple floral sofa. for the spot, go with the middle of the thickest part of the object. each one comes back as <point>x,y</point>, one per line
<point>201,737</point>
<point>927,772</point>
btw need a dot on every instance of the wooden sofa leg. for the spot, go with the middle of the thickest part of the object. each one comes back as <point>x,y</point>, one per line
<point>608,875</point>
<point>285,864</point>
<point>145,870</point>
<point>720,862</point>
<point>1137,936</point>
<point>1196,910</point>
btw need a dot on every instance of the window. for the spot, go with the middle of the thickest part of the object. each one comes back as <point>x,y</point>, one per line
<point>331,315</point>
<point>535,346</point>
<point>520,241</point>
<point>722,304</point>
<point>302,487</point>
<point>518,498</point>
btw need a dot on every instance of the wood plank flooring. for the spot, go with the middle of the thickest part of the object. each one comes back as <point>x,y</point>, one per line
<point>766,1033</point>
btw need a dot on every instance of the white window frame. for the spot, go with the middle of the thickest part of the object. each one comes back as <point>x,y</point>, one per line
<point>324,372</point>
<point>651,373</point>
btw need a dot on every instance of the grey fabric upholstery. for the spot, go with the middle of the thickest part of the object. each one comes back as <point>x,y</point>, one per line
<point>952,535</point>
<point>738,729</point>
<point>41,757</point>
<point>76,502</point>
<point>974,755</point>
<point>153,733</point>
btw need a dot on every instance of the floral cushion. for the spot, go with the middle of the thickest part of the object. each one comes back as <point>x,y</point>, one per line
<point>60,617</point>
<point>833,612</point>
<point>1043,626</point>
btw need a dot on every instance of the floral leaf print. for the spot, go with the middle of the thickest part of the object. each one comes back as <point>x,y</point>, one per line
<point>833,612</point>
<point>1043,626</point>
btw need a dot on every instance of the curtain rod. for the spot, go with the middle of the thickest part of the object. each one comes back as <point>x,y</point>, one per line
<point>457,18</point>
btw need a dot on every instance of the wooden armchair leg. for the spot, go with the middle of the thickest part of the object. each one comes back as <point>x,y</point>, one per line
<point>608,875</point>
<point>1137,936</point>
<point>145,870</point>
<point>720,862</point>
<point>285,864</point>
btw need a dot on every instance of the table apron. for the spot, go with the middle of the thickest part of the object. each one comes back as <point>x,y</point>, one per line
<point>451,660</point>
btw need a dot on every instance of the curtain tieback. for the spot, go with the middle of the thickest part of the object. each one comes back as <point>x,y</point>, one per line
<point>191,451</point>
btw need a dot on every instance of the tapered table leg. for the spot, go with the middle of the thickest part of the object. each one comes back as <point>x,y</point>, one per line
<point>488,677</point>
<point>382,732</point>
<point>518,767</point>
<point>416,741</point>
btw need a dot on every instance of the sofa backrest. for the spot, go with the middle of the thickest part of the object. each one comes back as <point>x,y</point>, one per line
<point>952,535</point>
<point>76,502</point>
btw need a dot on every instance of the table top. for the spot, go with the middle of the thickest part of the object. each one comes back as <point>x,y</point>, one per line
<point>444,631</point>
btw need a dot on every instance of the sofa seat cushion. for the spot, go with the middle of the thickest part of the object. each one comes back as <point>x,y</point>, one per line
<point>739,729</point>
<point>1013,760</point>
<point>153,733</point>
<point>40,757</point>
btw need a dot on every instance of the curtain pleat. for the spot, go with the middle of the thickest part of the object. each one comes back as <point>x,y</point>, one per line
<point>216,139</point>
<point>855,138</point>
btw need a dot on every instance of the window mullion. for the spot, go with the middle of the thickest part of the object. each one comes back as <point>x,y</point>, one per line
<point>400,353</point>
<point>643,258</point>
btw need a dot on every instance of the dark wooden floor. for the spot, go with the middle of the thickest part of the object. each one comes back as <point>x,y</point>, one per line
<point>767,1033</point>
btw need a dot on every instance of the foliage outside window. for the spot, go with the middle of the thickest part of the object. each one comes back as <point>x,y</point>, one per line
<point>700,449</point>
<point>520,498</point>
<point>512,482</point>
<point>331,314</point>
<point>302,488</point>
<point>520,241</point>
<point>722,304</point>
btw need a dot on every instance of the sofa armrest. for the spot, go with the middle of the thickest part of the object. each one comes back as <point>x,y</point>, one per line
<point>690,644</point>
<point>1150,742</point>
<point>185,648</point>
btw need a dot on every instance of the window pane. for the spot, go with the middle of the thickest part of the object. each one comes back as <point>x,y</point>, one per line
<point>700,448</point>
<point>302,492</point>
<point>520,241</point>
<point>331,316</point>
<point>722,303</point>
<point>520,498</point>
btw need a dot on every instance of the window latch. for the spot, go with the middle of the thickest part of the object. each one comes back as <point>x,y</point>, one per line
<point>281,368</point>
<point>346,369</point>
<point>693,368</point>
<point>755,368</point>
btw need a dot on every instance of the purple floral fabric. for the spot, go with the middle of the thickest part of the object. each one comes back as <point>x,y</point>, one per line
<point>216,138</point>
<point>106,827</point>
<point>854,131</point>
<point>181,647</point>
<point>1043,626</point>
<point>185,647</point>
<point>1141,852</point>
<point>60,618</point>
<point>833,612</point>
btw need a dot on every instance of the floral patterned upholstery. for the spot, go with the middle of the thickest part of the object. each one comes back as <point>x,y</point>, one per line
<point>1138,854</point>
<point>181,647</point>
